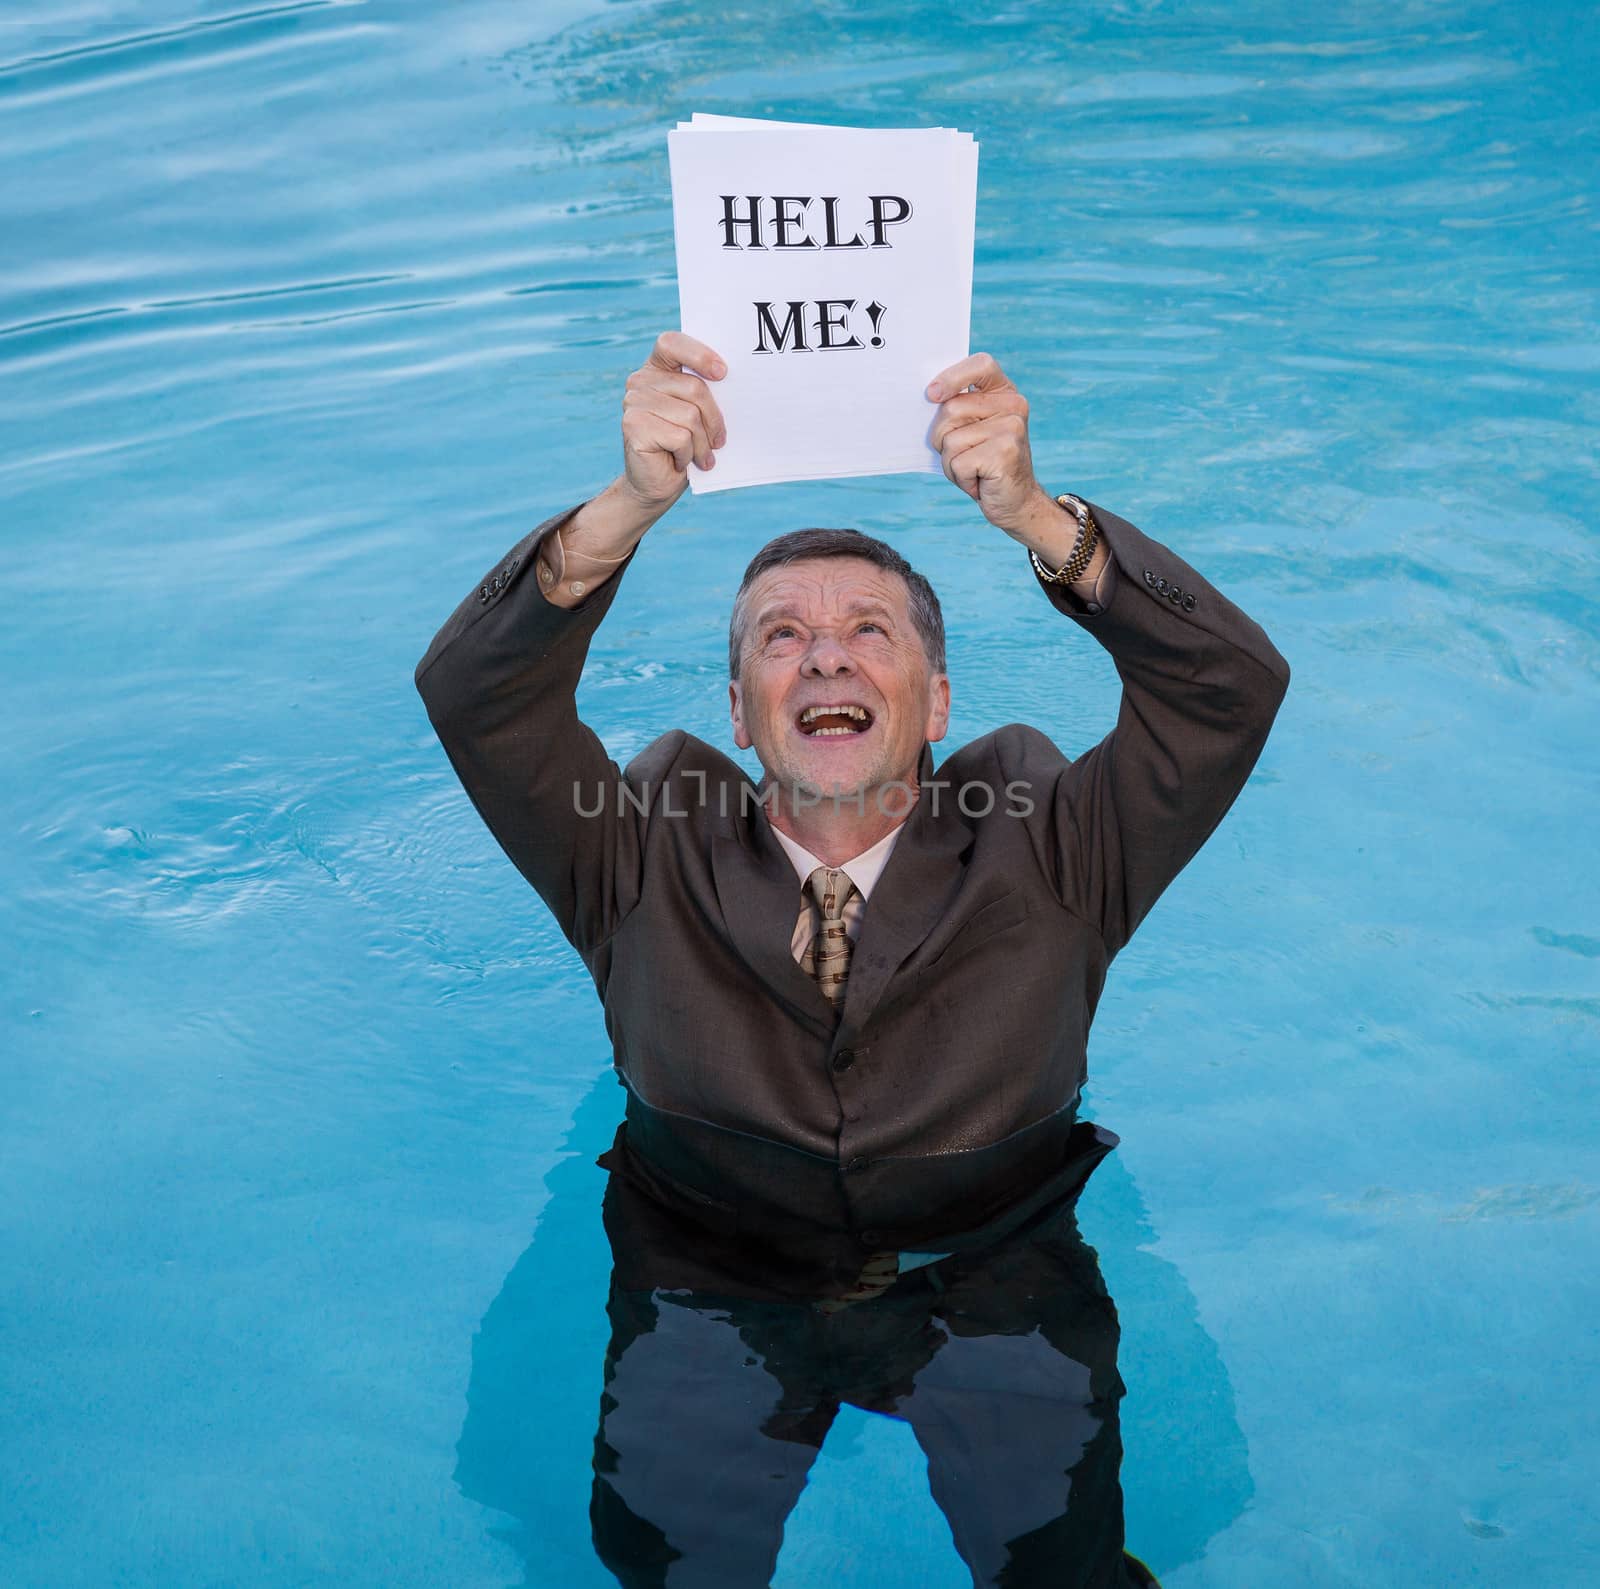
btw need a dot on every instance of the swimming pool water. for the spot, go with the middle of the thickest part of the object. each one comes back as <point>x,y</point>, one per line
<point>308,311</point>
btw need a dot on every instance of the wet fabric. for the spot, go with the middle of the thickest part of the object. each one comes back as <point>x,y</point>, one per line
<point>718,1398</point>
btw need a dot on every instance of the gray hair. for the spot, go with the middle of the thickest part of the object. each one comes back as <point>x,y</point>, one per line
<point>801,546</point>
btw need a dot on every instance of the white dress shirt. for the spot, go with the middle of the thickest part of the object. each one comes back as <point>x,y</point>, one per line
<point>862,870</point>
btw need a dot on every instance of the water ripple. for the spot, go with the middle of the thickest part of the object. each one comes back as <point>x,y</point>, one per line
<point>142,61</point>
<point>167,37</point>
<point>308,311</point>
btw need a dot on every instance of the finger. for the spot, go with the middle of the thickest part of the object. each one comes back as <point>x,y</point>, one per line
<point>674,350</point>
<point>989,460</point>
<point>1005,429</point>
<point>968,408</point>
<point>678,412</point>
<point>688,387</point>
<point>996,458</point>
<point>978,369</point>
<point>645,433</point>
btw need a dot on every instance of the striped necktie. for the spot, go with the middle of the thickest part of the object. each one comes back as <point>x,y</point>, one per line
<point>827,956</point>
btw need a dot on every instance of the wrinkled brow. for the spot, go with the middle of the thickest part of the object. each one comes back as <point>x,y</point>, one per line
<point>863,608</point>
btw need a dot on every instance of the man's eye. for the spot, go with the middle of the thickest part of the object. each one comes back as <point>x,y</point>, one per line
<point>784,631</point>
<point>870,628</point>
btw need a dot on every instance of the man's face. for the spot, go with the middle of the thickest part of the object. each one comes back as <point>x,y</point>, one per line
<point>835,632</point>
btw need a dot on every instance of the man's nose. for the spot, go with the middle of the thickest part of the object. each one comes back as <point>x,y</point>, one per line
<point>826,659</point>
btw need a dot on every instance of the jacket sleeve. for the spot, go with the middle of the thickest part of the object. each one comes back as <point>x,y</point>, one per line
<point>1201,685</point>
<point>499,681</point>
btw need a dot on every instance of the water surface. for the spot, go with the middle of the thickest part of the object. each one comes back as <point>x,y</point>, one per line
<point>308,311</point>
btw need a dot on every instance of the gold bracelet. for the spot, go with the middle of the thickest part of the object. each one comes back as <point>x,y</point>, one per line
<point>1082,548</point>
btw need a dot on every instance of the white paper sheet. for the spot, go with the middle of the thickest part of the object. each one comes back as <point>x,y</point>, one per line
<point>824,411</point>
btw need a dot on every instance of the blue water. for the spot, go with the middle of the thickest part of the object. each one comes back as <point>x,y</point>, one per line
<point>308,311</point>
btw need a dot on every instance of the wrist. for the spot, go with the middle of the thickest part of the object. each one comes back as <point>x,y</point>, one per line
<point>1081,565</point>
<point>610,525</point>
<point>1040,520</point>
<point>648,508</point>
<point>1047,528</point>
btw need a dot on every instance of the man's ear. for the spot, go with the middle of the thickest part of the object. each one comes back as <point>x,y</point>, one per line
<point>741,737</point>
<point>939,708</point>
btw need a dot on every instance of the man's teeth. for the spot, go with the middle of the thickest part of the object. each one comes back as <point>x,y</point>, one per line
<point>858,714</point>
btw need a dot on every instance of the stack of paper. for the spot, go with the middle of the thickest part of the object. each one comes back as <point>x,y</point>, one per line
<point>831,267</point>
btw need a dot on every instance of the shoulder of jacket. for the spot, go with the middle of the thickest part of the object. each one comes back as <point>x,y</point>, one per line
<point>1012,748</point>
<point>677,754</point>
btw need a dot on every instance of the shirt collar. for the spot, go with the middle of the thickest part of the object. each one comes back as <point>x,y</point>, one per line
<point>863,870</point>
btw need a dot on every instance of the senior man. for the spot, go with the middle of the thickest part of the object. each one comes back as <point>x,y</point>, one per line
<point>850,1004</point>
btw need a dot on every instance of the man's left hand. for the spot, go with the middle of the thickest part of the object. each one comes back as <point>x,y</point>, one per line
<point>981,436</point>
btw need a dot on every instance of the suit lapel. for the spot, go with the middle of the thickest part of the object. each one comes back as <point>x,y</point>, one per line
<point>760,898</point>
<point>917,886</point>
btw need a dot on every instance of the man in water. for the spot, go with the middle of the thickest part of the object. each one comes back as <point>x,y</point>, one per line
<point>850,1004</point>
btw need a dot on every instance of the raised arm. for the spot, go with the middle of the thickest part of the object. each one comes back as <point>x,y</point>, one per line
<point>669,420</point>
<point>1201,685</point>
<point>1201,682</point>
<point>500,677</point>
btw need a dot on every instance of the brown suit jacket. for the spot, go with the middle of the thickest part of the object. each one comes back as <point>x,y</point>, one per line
<point>939,1112</point>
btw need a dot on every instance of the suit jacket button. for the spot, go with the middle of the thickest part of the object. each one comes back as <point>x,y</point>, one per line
<point>857,1163</point>
<point>483,593</point>
<point>844,1059</point>
<point>1188,603</point>
<point>1150,577</point>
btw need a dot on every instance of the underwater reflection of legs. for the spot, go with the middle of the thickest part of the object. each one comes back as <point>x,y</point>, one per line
<point>700,1455</point>
<point>527,1445</point>
<point>1018,1414</point>
<point>718,1398</point>
<point>1021,1461</point>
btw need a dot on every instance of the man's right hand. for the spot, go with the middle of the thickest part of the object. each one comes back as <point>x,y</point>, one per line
<point>670,419</point>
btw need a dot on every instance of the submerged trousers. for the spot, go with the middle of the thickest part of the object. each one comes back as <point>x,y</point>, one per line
<point>717,1399</point>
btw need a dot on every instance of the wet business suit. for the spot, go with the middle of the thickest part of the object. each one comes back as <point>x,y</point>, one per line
<point>940,1110</point>
<point>769,1143</point>
<point>717,1400</point>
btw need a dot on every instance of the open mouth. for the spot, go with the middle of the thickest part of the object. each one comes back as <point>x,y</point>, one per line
<point>819,722</point>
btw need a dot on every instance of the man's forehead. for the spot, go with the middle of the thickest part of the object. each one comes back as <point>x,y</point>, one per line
<point>834,582</point>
